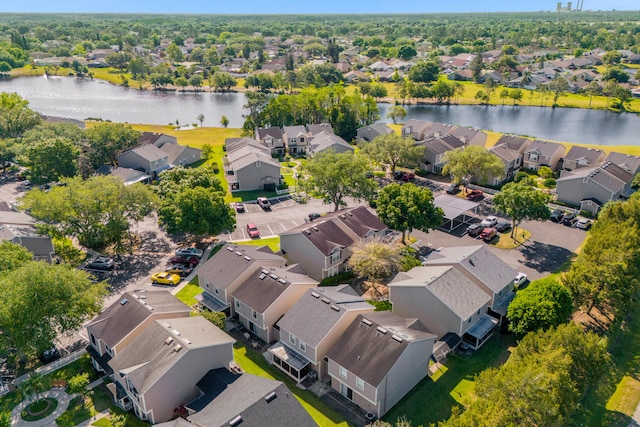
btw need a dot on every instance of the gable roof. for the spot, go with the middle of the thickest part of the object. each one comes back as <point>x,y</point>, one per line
<point>272,131</point>
<point>608,175</point>
<point>359,220</point>
<point>505,153</point>
<point>257,401</point>
<point>248,156</point>
<point>379,128</point>
<point>516,143</point>
<point>449,285</point>
<point>589,155</point>
<point>319,310</point>
<point>223,268</point>
<point>151,137</point>
<point>128,175</point>
<point>324,140</point>
<point>118,320</point>
<point>374,342</point>
<point>325,236</point>
<point>234,144</point>
<point>294,131</point>
<point>262,288</point>
<point>315,129</point>
<point>467,133</point>
<point>627,162</point>
<point>149,357</point>
<point>148,152</point>
<point>545,148</point>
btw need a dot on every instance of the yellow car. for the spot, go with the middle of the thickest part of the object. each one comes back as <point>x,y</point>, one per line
<point>165,278</point>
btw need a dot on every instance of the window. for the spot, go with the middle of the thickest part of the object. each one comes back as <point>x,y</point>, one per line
<point>257,163</point>
<point>303,346</point>
<point>255,314</point>
<point>206,284</point>
<point>360,383</point>
<point>93,340</point>
<point>237,303</point>
<point>216,289</point>
<point>342,371</point>
<point>292,339</point>
<point>335,256</point>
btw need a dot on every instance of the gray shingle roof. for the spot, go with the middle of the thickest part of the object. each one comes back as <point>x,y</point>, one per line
<point>325,236</point>
<point>589,155</point>
<point>516,143</point>
<point>323,141</point>
<point>609,176</point>
<point>119,320</point>
<point>545,148</point>
<point>504,152</point>
<point>149,152</point>
<point>627,162</point>
<point>315,129</point>
<point>273,131</point>
<point>359,220</point>
<point>248,156</point>
<point>367,352</point>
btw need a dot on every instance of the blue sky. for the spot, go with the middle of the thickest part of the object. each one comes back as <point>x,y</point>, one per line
<point>299,6</point>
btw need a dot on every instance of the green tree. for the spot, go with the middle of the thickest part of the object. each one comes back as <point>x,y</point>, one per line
<point>13,256</point>
<point>78,384</point>
<point>107,140</point>
<point>545,172</point>
<point>40,301</point>
<point>545,303</point>
<point>175,53</point>
<point>407,52</point>
<point>378,91</point>
<point>15,115</point>
<point>34,385</point>
<point>424,72</point>
<point>224,121</point>
<point>472,162</point>
<point>215,317</point>
<point>374,260</point>
<point>51,159</point>
<point>408,207</point>
<point>476,66</point>
<point>5,419</point>
<point>558,86</point>
<point>520,201</point>
<point>336,176</point>
<point>201,119</point>
<point>394,150</point>
<point>612,57</point>
<point>396,113</point>
<point>504,94</point>
<point>117,419</point>
<point>442,91</point>
<point>516,95</point>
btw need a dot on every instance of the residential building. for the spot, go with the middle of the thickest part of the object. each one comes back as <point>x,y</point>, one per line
<point>123,321</point>
<point>435,147</point>
<point>311,327</point>
<point>626,161</point>
<point>469,136</point>
<point>379,359</point>
<point>512,163</point>
<point>232,399</point>
<point>157,139</point>
<point>323,246</point>
<point>181,155</point>
<point>591,188</point>
<point>514,143</point>
<point>147,158</point>
<point>415,129</point>
<point>295,139</point>
<point>266,295</point>
<point>370,132</point>
<point>19,228</point>
<point>128,175</point>
<point>249,166</point>
<point>272,138</point>
<point>314,130</point>
<point>543,153</point>
<point>582,157</point>
<point>325,141</point>
<point>158,371</point>
<point>221,274</point>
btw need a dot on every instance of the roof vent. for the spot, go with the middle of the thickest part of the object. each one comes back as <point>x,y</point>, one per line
<point>315,229</point>
<point>269,397</point>
<point>335,308</point>
<point>262,276</point>
<point>307,232</point>
<point>150,308</point>
<point>187,341</point>
<point>315,294</point>
<point>124,301</point>
<point>326,300</point>
<point>283,281</point>
<point>472,263</point>
<point>175,332</point>
<point>248,258</point>
<point>177,348</point>
<point>349,213</point>
<point>142,296</point>
<point>397,338</point>
<point>265,271</point>
<point>239,253</point>
<point>235,421</point>
<point>343,216</point>
<point>168,340</point>
<point>367,322</point>
<point>229,248</point>
<point>274,276</point>
<point>381,330</point>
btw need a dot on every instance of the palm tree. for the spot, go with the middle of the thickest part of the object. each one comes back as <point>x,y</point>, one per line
<point>201,119</point>
<point>33,386</point>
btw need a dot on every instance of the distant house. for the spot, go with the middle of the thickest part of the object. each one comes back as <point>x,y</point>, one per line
<point>465,75</point>
<point>19,228</point>
<point>157,139</point>
<point>324,141</point>
<point>591,188</point>
<point>469,136</point>
<point>370,132</point>
<point>52,119</point>
<point>311,327</point>
<point>356,76</point>
<point>543,153</point>
<point>295,139</point>
<point>249,166</point>
<point>435,148</point>
<point>415,129</point>
<point>232,399</point>
<point>266,295</point>
<point>129,176</point>
<point>379,359</point>
<point>178,155</point>
<point>322,247</point>
<point>512,163</point>
<point>158,371</point>
<point>147,158</point>
<point>272,138</point>
<point>582,157</point>
<point>221,274</point>
<point>627,162</point>
<point>314,130</point>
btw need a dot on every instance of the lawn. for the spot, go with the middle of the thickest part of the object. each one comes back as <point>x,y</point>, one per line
<point>188,294</point>
<point>97,401</point>
<point>272,242</point>
<point>506,242</point>
<point>432,400</point>
<point>254,363</point>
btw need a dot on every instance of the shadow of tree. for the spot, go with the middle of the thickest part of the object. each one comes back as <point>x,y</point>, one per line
<point>543,257</point>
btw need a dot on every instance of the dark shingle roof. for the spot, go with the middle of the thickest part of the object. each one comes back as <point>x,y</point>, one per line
<point>369,353</point>
<point>360,220</point>
<point>515,143</point>
<point>273,131</point>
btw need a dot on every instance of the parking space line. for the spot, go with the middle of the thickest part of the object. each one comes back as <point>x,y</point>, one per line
<point>272,233</point>
<point>295,224</point>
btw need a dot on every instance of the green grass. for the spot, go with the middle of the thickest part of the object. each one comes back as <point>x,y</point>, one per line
<point>45,406</point>
<point>254,363</point>
<point>97,401</point>
<point>188,293</point>
<point>272,242</point>
<point>131,419</point>
<point>432,400</point>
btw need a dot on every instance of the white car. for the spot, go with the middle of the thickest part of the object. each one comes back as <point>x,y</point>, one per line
<point>520,279</point>
<point>489,221</point>
<point>583,223</point>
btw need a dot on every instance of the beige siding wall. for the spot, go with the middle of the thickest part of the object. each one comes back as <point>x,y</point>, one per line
<point>251,177</point>
<point>246,315</point>
<point>573,191</point>
<point>364,398</point>
<point>300,251</point>
<point>188,156</point>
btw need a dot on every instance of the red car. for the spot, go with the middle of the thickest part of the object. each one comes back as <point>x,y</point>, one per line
<point>408,176</point>
<point>253,231</point>
<point>474,195</point>
<point>488,234</point>
<point>191,260</point>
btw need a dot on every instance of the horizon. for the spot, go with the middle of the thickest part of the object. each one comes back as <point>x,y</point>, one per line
<point>287,7</point>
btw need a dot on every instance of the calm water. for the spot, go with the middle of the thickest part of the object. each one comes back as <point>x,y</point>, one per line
<point>81,99</point>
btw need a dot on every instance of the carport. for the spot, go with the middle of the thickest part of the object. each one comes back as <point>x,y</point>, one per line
<point>454,207</point>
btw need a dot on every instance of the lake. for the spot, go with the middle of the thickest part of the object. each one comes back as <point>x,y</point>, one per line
<point>84,98</point>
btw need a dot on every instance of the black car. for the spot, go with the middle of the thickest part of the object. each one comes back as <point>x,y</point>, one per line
<point>503,226</point>
<point>568,219</point>
<point>313,215</point>
<point>474,230</point>
<point>556,215</point>
<point>50,355</point>
<point>101,263</point>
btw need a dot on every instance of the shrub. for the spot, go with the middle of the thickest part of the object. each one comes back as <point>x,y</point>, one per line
<point>550,182</point>
<point>520,176</point>
<point>337,279</point>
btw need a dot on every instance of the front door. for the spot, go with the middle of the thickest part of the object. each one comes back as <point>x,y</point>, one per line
<point>346,391</point>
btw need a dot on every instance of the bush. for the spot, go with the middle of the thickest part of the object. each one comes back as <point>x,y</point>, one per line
<point>520,176</point>
<point>337,279</point>
<point>550,182</point>
<point>380,305</point>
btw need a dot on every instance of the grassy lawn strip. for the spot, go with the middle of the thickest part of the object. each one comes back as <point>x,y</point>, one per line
<point>272,242</point>
<point>252,362</point>
<point>188,294</point>
<point>626,397</point>
<point>97,400</point>
<point>432,400</point>
<point>506,242</point>
<point>131,419</point>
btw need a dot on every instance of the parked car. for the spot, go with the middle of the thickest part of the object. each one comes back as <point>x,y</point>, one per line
<point>503,226</point>
<point>453,188</point>
<point>253,231</point>
<point>189,252</point>
<point>488,233</point>
<point>489,221</point>
<point>312,216</point>
<point>520,279</point>
<point>474,195</point>
<point>181,270</point>
<point>583,223</point>
<point>408,176</point>
<point>165,278</point>
<point>182,259</point>
<point>568,219</point>
<point>239,207</point>
<point>101,263</point>
<point>474,230</point>
<point>556,215</point>
<point>264,203</point>
<point>50,355</point>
